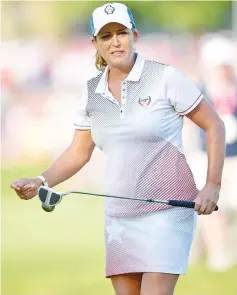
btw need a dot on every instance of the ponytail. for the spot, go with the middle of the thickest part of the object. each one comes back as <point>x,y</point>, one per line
<point>100,63</point>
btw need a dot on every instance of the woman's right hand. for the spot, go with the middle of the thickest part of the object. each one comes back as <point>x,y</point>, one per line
<point>26,188</point>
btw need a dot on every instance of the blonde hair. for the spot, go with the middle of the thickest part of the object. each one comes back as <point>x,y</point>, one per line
<point>100,63</point>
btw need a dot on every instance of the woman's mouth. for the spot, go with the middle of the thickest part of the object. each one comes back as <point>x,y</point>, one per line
<point>117,53</point>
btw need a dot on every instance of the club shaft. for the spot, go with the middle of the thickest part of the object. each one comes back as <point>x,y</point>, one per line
<point>117,197</point>
<point>55,197</point>
<point>175,203</point>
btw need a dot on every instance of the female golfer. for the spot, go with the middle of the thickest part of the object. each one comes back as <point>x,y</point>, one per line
<point>133,111</point>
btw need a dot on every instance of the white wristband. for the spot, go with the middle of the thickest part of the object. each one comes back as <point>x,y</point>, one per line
<point>41,177</point>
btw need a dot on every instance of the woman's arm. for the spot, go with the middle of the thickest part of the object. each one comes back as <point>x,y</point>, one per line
<point>206,118</point>
<point>70,162</point>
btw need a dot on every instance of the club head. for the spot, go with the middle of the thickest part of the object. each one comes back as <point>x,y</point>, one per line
<point>47,208</point>
<point>49,198</point>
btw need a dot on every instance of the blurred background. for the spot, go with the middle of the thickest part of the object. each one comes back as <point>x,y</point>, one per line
<point>46,57</point>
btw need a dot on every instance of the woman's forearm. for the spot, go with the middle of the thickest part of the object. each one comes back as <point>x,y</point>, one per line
<point>72,160</point>
<point>215,138</point>
<point>68,164</point>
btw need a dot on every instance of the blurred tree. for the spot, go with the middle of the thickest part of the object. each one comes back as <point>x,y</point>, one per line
<point>191,16</point>
<point>60,16</point>
<point>25,19</point>
<point>182,16</point>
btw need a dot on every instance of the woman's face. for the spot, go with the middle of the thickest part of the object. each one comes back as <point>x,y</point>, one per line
<point>115,43</point>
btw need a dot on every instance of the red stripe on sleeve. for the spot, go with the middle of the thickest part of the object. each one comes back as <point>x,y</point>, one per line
<point>191,105</point>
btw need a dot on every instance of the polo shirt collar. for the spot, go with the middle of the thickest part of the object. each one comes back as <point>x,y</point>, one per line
<point>134,75</point>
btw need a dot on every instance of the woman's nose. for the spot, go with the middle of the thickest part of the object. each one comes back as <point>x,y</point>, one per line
<point>116,41</point>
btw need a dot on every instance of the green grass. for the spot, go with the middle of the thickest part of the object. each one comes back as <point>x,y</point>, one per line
<point>62,252</point>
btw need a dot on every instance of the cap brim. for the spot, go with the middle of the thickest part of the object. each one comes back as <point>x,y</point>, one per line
<point>126,24</point>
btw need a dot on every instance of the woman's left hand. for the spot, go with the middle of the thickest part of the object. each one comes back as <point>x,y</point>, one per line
<point>207,199</point>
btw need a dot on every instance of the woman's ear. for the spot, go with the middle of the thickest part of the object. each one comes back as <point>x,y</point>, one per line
<point>94,42</point>
<point>135,35</point>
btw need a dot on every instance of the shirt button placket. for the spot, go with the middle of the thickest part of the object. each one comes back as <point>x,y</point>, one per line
<point>123,100</point>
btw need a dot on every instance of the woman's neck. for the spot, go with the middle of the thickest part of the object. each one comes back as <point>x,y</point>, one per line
<point>121,73</point>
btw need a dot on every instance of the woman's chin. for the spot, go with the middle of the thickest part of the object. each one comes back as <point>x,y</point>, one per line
<point>119,60</point>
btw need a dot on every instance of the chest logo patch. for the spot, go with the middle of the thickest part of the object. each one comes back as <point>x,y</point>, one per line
<point>144,102</point>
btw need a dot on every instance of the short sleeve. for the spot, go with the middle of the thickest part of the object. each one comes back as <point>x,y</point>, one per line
<point>181,92</point>
<point>82,120</point>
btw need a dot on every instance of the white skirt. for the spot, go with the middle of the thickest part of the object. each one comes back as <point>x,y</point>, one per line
<point>156,242</point>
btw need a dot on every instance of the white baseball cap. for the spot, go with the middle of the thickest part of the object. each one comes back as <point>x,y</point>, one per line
<point>111,13</point>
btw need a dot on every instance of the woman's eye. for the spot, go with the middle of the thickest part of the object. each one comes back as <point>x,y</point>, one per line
<point>105,37</point>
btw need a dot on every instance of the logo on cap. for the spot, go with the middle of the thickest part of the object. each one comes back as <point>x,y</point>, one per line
<point>144,102</point>
<point>109,9</point>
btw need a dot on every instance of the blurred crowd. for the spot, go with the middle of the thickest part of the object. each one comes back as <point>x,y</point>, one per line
<point>42,83</point>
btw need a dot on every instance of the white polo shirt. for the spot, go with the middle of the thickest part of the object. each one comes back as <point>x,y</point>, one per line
<point>142,136</point>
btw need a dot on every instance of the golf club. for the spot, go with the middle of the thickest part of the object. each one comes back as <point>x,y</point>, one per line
<point>50,198</point>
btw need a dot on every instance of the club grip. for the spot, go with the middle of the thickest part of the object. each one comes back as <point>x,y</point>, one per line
<point>185,204</point>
